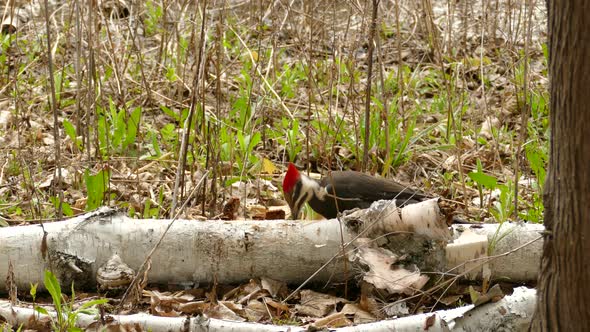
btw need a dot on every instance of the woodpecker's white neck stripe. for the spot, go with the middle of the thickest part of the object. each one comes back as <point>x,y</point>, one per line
<point>308,189</point>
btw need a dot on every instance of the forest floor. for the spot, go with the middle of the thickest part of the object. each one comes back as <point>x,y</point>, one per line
<point>458,104</point>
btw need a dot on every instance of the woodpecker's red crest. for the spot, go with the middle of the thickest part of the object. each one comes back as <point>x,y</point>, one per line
<point>291,178</point>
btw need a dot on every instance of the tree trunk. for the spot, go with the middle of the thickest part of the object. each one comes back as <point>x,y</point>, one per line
<point>565,276</point>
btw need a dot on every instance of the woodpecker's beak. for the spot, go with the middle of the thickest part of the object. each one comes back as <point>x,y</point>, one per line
<point>294,213</point>
<point>294,209</point>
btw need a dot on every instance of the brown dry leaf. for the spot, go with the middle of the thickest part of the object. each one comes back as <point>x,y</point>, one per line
<point>243,290</point>
<point>255,311</point>
<point>235,307</point>
<point>429,322</point>
<point>276,305</point>
<point>368,302</point>
<point>230,209</point>
<point>255,295</point>
<point>274,287</point>
<point>167,304</point>
<point>494,294</point>
<point>194,307</point>
<point>166,312</point>
<point>257,211</point>
<point>317,304</point>
<point>334,320</point>
<point>360,316</point>
<point>162,308</point>
<point>251,292</point>
<point>486,127</point>
<point>114,8</point>
<point>275,214</point>
<point>80,204</point>
<point>66,177</point>
<point>450,164</point>
<point>221,311</point>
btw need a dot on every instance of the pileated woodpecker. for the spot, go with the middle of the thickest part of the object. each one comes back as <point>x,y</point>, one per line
<point>341,191</point>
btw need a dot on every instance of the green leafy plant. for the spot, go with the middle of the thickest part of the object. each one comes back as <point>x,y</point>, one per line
<point>241,109</point>
<point>537,155</point>
<point>33,291</point>
<point>70,130</point>
<point>66,316</point>
<point>503,206</point>
<point>537,158</point>
<point>497,237</point>
<point>169,134</point>
<point>329,133</point>
<point>66,208</point>
<point>246,143</point>
<point>401,137</point>
<point>291,76</point>
<point>482,181</point>
<point>96,186</point>
<point>5,43</point>
<point>152,148</point>
<point>307,213</point>
<point>153,17</point>
<point>227,143</point>
<point>153,212</point>
<point>401,142</point>
<point>7,327</point>
<point>61,82</point>
<point>116,130</point>
<point>293,142</point>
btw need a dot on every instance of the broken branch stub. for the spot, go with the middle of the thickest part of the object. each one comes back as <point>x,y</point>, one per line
<point>384,217</point>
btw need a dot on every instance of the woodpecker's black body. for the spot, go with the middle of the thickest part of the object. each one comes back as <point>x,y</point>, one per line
<point>341,191</point>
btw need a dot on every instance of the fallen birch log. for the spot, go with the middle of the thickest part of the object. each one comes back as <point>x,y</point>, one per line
<point>509,251</point>
<point>192,252</point>
<point>512,313</point>
<point>196,252</point>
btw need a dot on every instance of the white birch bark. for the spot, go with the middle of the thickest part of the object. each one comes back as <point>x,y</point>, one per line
<point>191,252</point>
